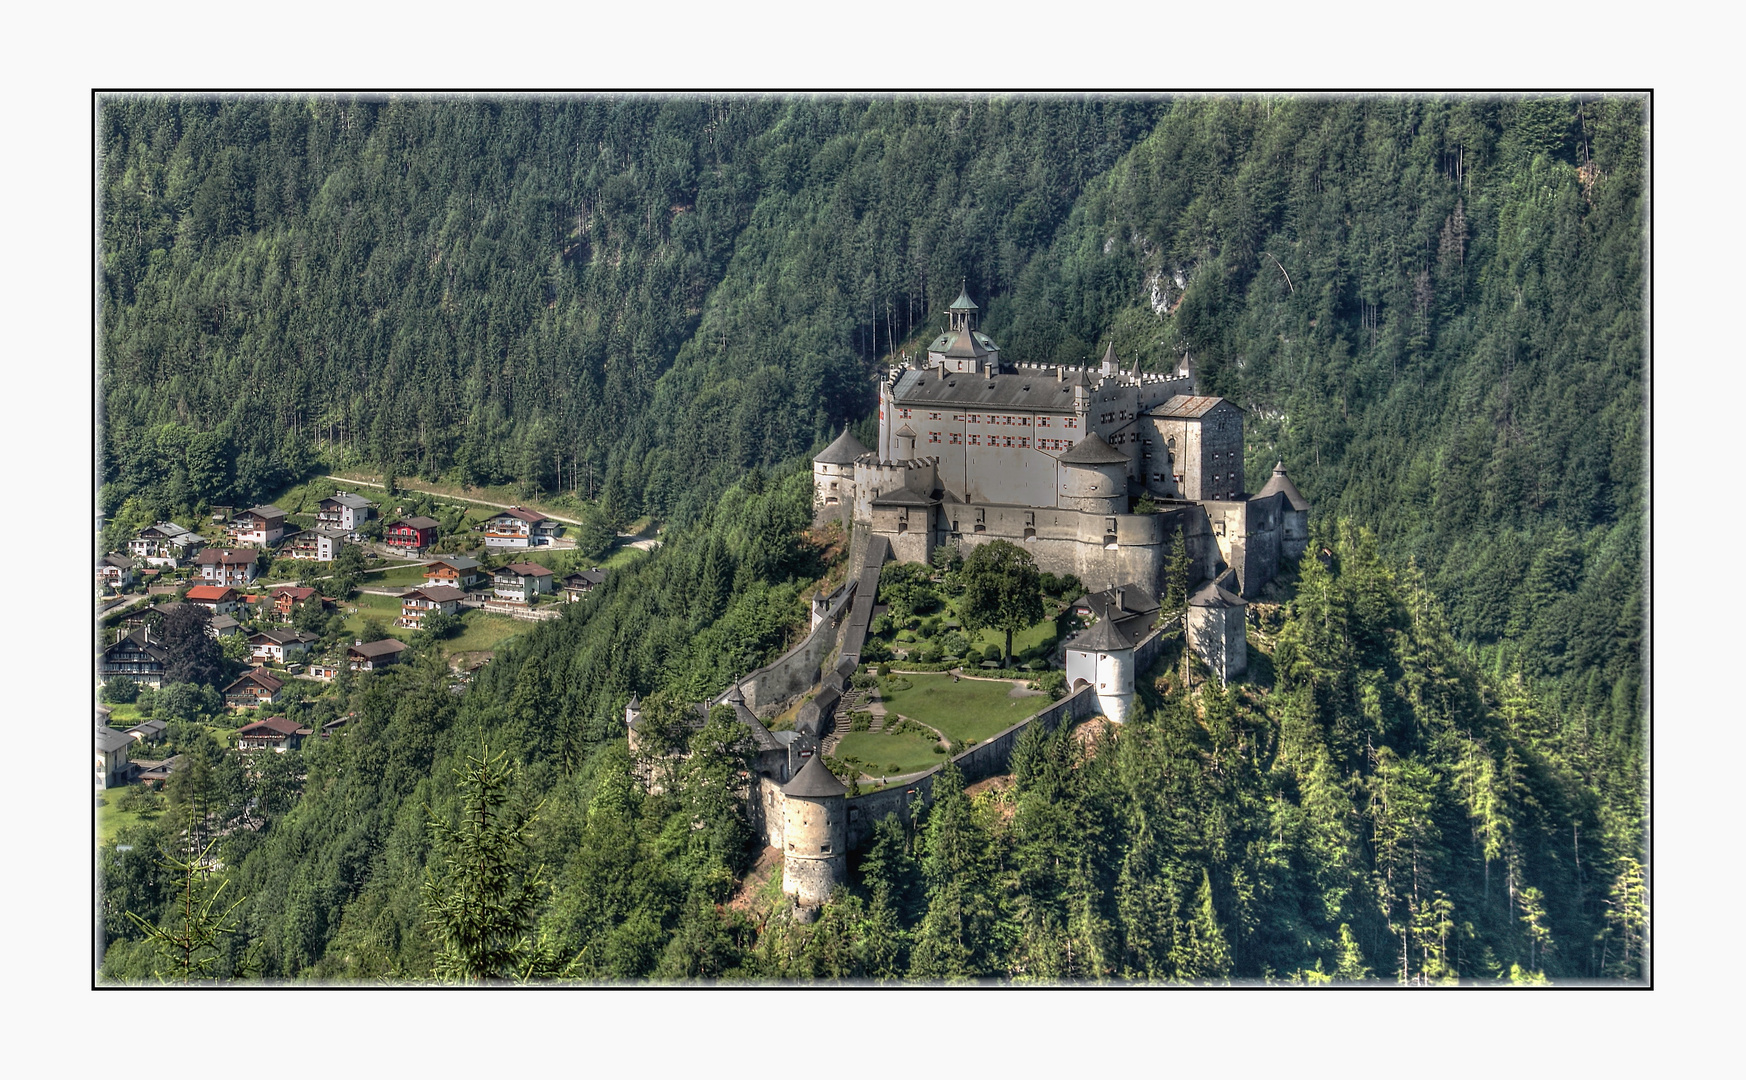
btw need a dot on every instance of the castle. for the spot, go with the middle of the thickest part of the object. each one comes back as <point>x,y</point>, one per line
<point>1052,458</point>
<point>1055,459</point>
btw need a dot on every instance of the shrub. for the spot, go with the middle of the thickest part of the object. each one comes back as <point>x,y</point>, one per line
<point>991,652</point>
<point>1053,683</point>
<point>120,690</point>
<point>931,655</point>
<point>938,749</point>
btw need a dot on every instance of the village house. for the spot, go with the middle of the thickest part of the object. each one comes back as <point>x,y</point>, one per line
<point>455,571</point>
<point>147,731</point>
<point>165,544</point>
<point>344,511</point>
<point>254,687</point>
<point>226,566</point>
<point>370,655</point>
<point>116,572</point>
<point>222,626</point>
<point>112,767</point>
<point>285,599</point>
<point>518,528</point>
<point>324,671</point>
<point>273,733</point>
<point>313,545</point>
<point>520,582</point>
<point>578,585</point>
<point>413,534</point>
<point>218,599</point>
<point>135,657</point>
<point>258,526</point>
<point>417,604</point>
<point>279,646</point>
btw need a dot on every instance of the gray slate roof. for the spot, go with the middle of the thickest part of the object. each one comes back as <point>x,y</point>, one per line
<point>1104,636</point>
<point>1214,597</point>
<point>1023,391</point>
<point>110,741</point>
<point>1282,483</point>
<point>346,498</point>
<point>966,346</point>
<point>843,451</point>
<point>814,781</point>
<point>1190,406</point>
<point>1092,450</point>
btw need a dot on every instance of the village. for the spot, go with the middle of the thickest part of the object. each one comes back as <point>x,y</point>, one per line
<point>295,600</point>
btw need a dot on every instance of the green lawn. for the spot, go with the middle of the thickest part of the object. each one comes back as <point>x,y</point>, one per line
<point>970,710</point>
<point>126,715</point>
<point>1022,640</point>
<point>385,608</point>
<point>401,578</point>
<point>110,820</point>
<point>481,632</point>
<point>886,754</point>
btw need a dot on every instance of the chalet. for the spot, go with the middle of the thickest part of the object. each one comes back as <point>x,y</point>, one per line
<point>222,626</point>
<point>147,731</point>
<point>218,599</point>
<point>165,544</point>
<point>315,545</point>
<point>520,582</point>
<point>112,767</point>
<point>285,599</point>
<point>279,645</point>
<point>518,528</point>
<point>135,657</point>
<point>455,571</point>
<point>416,604</point>
<point>259,526</point>
<point>226,566</point>
<point>328,729</point>
<point>412,534</point>
<point>368,656</point>
<point>578,585</point>
<point>344,511</point>
<point>116,571</point>
<point>273,733</point>
<point>254,687</point>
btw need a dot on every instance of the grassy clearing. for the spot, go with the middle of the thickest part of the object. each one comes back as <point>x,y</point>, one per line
<point>970,710</point>
<point>481,632</point>
<point>404,577</point>
<point>887,754</point>
<point>384,608</point>
<point>1024,639</point>
<point>111,821</point>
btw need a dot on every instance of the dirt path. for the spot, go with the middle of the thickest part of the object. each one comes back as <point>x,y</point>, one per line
<point>447,495</point>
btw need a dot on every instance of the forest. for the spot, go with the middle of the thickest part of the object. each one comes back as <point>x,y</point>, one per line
<point>664,304</point>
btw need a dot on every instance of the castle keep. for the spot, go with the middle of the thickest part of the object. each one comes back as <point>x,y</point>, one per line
<point>1053,458</point>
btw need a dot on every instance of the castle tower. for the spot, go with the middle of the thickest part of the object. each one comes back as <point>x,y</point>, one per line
<point>906,443</point>
<point>1294,523</point>
<point>833,477</point>
<point>1104,657</point>
<point>633,715</point>
<point>815,818</point>
<point>963,309</point>
<point>1216,630</point>
<point>1110,366</point>
<point>1093,477</point>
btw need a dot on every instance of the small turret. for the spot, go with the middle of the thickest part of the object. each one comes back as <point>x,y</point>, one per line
<point>815,834</point>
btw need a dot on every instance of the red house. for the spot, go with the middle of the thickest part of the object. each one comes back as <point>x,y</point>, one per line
<point>287,597</point>
<point>412,534</point>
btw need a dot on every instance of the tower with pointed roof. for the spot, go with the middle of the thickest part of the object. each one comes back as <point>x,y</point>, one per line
<point>1294,532</point>
<point>833,478</point>
<point>815,834</point>
<point>1216,630</point>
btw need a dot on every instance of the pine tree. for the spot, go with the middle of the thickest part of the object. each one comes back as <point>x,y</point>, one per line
<point>190,944</point>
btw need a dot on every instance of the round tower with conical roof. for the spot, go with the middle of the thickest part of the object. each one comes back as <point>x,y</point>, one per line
<point>833,478</point>
<point>1093,477</point>
<point>815,834</point>
<point>1294,522</point>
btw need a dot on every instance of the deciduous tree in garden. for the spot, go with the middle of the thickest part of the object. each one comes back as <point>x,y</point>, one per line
<point>1002,590</point>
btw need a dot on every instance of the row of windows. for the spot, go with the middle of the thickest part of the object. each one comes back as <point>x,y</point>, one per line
<point>1009,421</point>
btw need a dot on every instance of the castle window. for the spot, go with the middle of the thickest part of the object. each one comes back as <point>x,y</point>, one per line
<point>903,413</point>
<point>824,849</point>
<point>933,436</point>
<point>933,416</point>
<point>1024,421</point>
<point>1006,440</point>
<point>1024,441</point>
<point>973,440</point>
<point>957,438</point>
<point>1071,422</point>
<point>1068,443</point>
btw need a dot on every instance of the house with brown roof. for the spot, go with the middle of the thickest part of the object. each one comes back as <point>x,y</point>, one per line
<point>579,584</point>
<point>313,545</point>
<point>254,687</point>
<point>519,528</point>
<point>218,599</point>
<point>411,534</point>
<point>226,566</point>
<point>274,733</point>
<point>455,571</point>
<point>520,582</point>
<point>370,655</point>
<point>135,657</point>
<point>285,598</point>
<point>418,604</point>
<point>258,526</point>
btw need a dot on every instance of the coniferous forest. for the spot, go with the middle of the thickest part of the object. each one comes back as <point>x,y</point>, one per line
<point>1432,309</point>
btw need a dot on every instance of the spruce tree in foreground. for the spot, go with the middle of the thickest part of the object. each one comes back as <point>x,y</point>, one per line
<point>481,904</point>
<point>191,948</point>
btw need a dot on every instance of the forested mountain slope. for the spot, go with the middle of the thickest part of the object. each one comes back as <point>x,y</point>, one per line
<point>625,296</point>
<point>1432,310</point>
